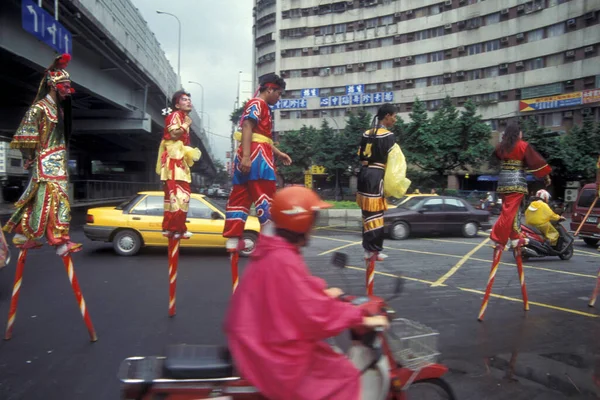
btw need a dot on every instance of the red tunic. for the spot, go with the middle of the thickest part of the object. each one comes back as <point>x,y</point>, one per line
<point>277,321</point>
<point>522,157</point>
<point>173,122</point>
<point>258,110</point>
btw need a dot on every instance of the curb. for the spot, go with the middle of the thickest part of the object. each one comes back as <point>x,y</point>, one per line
<point>341,217</point>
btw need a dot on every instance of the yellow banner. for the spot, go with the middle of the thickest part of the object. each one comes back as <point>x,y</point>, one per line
<point>308,181</point>
<point>317,170</point>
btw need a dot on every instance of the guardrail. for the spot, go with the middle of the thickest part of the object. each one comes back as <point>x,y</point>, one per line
<point>90,190</point>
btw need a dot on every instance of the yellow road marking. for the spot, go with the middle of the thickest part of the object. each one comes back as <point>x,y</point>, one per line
<point>568,310</point>
<point>339,248</point>
<point>394,276</point>
<point>459,264</point>
<point>452,241</point>
<point>327,227</point>
<point>587,253</point>
<point>341,230</point>
<point>473,259</point>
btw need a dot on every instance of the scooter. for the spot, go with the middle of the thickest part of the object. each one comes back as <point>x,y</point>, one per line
<point>538,246</point>
<point>396,364</point>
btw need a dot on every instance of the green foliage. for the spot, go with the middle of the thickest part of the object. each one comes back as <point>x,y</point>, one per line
<point>235,116</point>
<point>548,146</point>
<point>222,177</point>
<point>581,148</point>
<point>344,204</point>
<point>300,146</point>
<point>448,141</point>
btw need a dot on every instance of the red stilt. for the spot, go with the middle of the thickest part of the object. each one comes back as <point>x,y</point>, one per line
<point>371,274</point>
<point>12,313</point>
<point>486,298</point>
<point>596,291</point>
<point>77,290</point>
<point>519,259</point>
<point>235,256</point>
<point>173,264</point>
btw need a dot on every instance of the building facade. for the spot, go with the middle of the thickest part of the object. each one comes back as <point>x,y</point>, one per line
<point>512,57</point>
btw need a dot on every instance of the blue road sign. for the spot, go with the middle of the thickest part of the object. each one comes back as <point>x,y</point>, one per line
<point>45,28</point>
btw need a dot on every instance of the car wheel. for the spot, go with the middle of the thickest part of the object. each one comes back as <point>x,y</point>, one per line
<point>400,230</point>
<point>590,241</point>
<point>470,229</point>
<point>127,242</point>
<point>250,239</point>
<point>567,254</point>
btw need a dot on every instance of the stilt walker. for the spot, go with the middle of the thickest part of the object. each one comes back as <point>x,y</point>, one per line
<point>43,211</point>
<point>515,156</point>
<point>254,169</point>
<point>383,174</point>
<point>175,157</point>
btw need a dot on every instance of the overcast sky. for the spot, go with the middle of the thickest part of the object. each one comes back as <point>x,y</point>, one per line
<point>216,43</point>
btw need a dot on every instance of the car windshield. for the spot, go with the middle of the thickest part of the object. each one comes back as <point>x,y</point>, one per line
<point>127,202</point>
<point>411,203</point>
<point>215,205</point>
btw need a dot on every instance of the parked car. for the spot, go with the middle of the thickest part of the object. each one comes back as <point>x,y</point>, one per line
<point>590,233</point>
<point>137,222</point>
<point>435,214</point>
<point>393,202</point>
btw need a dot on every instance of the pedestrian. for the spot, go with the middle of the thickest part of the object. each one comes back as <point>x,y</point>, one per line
<point>433,191</point>
<point>175,157</point>
<point>43,210</point>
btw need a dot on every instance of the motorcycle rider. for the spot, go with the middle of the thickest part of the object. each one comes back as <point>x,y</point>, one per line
<point>280,314</point>
<point>539,215</point>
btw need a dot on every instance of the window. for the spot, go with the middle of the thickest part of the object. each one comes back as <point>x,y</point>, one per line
<point>371,88</point>
<point>422,35</point>
<point>372,66</point>
<point>437,56</point>
<point>325,92</point>
<point>455,205</point>
<point>432,204</point>
<point>492,18</point>
<point>435,32</point>
<point>339,70</point>
<point>296,12</point>
<point>474,74</point>
<point>296,52</point>
<point>339,89</point>
<point>295,73</point>
<point>421,12</point>
<point>324,71</point>
<point>536,63</point>
<point>434,10</point>
<point>325,50</point>
<point>372,23</point>
<point>437,80</point>
<point>553,119</point>
<point>387,20</point>
<point>554,60</point>
<point>371,44</point>
<point>434,104</point>
<point>491,72</point>
<point>15,162</point>
<point>536,35</point>
<point>492,45</point>
<point>340,28</point>
<point>421,59</point>
<point>421,82</point>
<point>556,29</point>
<point>340,48</point>
<point>475,49</point>
<point>387,86</point>
<point>151,205</point>
<point>296,114</point>
<point>387,64</point>
<point>294,94</point>
<point>199,210</point>
<point>387,41</point>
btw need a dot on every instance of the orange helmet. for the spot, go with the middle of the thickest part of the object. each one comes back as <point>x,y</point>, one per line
<point>294,208</point>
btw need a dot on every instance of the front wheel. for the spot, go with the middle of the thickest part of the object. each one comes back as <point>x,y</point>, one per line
<point>430,389</point>
<point>470,229</point>
<point>567,254</point>
<point>250,239</point>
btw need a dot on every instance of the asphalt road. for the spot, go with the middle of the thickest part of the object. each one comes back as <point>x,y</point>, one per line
<point>556,344</point>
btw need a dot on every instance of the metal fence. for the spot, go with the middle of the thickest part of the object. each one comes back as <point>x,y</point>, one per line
<point>91,190</point>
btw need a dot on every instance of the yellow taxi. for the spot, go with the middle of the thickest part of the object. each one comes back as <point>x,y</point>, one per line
<point>137,222</point>
<point>394,202</point>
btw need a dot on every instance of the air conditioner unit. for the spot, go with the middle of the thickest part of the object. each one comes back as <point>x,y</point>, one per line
<point>570,195</point>
<point>504,11</point>
<point>305,50</point>
<point>397,38</point>
<point>448,54</point>
<point>397,15</point>
<point>568,114</point>
<point>448,26</point>
<point>409,13</point>
<point>397,60</point>
<point>461,49</point>
<point>571,22</point>
<point>361,65</point>
<point>504,40</point>
<point>283,52</point>
<point>589,49</point>
<point>570,54</point>
<point>447,76</point>
<point>460,74</point>
<point>503,66</point>
<point>448,3</point>
<point>361,23</point>
<point>350,66</point>
<point>398,84</point>
<point>504,94</point>
<point>590,16</point>
<point>519,64</point>
<point>461,2</point>
<point>572,184</point>
<point>361,45</point>
<point>521,8</point>
<point>569,84</point>
<point>520,36</point>
<point>315,9</point>
<point>408,59</point>
<point>409,82</point>
<point>316,49</point>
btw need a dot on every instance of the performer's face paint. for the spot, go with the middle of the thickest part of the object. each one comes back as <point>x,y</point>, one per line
<point>184,103</point>
<point>64,90</point>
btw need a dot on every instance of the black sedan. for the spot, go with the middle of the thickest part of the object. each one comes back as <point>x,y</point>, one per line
<point>434,215</point>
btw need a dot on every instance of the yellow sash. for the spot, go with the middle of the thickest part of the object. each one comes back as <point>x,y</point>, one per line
<point>256,138</point>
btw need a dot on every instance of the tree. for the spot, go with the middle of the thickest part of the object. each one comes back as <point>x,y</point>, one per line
<point>350,137</point>
<point>329,153</point>
<point>300,146</point>
<point>581,148</point>
<point>548,145</point>
<point>235,116</point>
<point>222,177</point>
<point>448,141</point>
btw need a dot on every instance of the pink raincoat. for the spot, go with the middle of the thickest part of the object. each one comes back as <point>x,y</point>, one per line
<point>276,324</point>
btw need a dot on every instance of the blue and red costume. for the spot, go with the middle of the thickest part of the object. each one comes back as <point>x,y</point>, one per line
<point>259,185</point>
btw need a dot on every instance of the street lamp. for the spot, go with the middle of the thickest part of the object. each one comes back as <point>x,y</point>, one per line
<point>202,104</point>
<point>179,51</point>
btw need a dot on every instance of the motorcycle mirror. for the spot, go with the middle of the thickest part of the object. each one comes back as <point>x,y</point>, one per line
<point>339,260</point>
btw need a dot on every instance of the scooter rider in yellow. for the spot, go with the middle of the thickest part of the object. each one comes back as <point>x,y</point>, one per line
<point>539,215</point>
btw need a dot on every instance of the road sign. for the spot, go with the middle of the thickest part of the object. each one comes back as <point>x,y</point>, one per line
<point>45,28</point>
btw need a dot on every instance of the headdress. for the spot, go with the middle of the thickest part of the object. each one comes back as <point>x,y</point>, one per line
<point>56,73</point>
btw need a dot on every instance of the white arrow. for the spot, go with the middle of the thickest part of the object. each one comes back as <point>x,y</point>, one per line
<point>52,30</point>
<point>35,17</point>
<point>66,43</point>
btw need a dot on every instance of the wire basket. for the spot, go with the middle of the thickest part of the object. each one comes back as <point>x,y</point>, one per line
<point>413,345</point>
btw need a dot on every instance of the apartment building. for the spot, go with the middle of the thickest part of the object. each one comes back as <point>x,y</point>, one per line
<point>513,57</point>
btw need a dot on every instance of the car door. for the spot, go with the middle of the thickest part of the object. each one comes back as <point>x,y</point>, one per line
<point>206,225</point>
<point>456,214</point>
<point>431,216</point>
<point>146,217</point>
